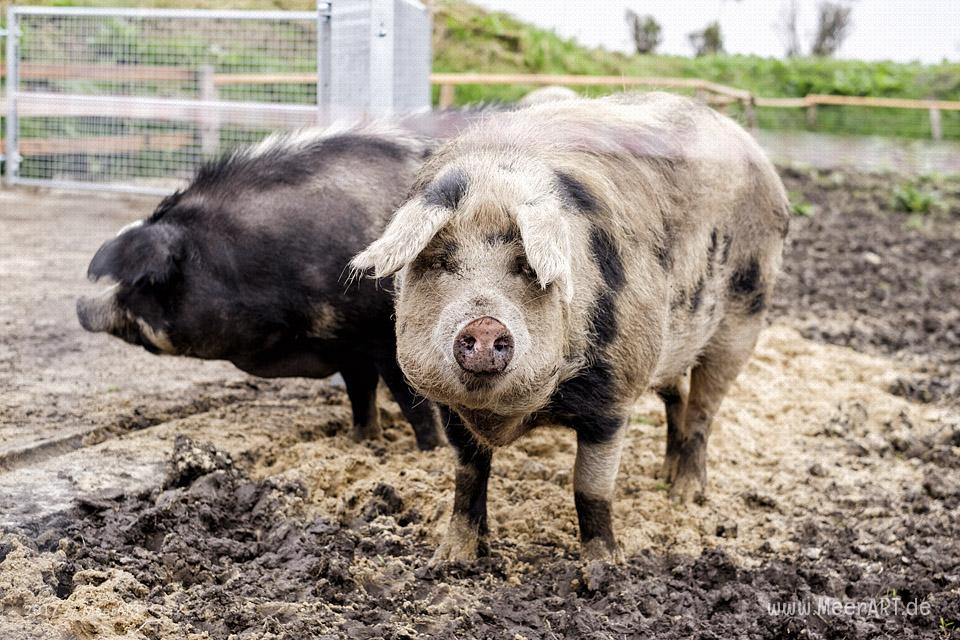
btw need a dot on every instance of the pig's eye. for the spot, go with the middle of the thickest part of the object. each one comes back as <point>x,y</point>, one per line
<point>440,262</point>
<point>523,268</point>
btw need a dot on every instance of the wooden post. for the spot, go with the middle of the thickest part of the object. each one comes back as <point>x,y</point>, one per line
<point>210,123</point>
<point>812,116</point>
<point>936,126</point>
<point>446,95</point>
<point>750,113</point>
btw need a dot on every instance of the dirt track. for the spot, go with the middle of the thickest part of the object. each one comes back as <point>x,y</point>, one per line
<point>831,482</point>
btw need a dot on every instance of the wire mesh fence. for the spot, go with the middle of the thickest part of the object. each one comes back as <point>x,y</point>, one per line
<point>142,97</point>
<point>136,99</point>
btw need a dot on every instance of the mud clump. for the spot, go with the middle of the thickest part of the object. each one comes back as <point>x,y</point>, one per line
<point>216,541</point>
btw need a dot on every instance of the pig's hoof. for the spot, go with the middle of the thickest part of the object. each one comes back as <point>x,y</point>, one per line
<point>363,432</point>
<point>686,489</point>
<point>427,441</point>
<point>460,544</point>
<point>598,550</point>
<point>454,551</point>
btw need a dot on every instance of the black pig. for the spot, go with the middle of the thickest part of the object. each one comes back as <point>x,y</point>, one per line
<point>245,265</point>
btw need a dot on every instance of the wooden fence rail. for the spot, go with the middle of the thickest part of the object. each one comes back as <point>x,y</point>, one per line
<point>210,113</point>
<point>449,81</point>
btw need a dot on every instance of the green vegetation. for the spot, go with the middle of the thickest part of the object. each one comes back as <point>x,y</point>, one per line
<point>799,206</point>
<point>910,198</point>
<point>947,627</point>
<point>467,38</point>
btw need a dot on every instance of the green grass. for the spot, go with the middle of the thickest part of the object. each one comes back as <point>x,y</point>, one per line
<point>799,206</point>
<point>911,198</point>
<point>467,38</point>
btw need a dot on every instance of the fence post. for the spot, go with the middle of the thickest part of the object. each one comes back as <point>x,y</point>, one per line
<point>383,35</point>
<point>12,150</point>
<point>936,126</point>
<point>812,115</point>
<point>324,18</point>
<point>447,95</point>
<point>210,121</point>
<point>750,112</point>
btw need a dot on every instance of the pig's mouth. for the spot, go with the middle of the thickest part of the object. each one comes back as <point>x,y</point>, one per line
<point>480,381</point>
<point>103,314</point>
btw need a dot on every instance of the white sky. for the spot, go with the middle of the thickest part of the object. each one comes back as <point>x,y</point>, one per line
<point>901,30</point>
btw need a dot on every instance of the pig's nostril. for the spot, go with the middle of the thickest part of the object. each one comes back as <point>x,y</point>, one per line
<point>483,346</point>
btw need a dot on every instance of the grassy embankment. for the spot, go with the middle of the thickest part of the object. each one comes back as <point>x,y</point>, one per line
<point>467,38</point>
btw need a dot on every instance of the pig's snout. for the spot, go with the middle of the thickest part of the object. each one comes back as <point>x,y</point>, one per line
<point>95,315</point>
<point>484,346</point>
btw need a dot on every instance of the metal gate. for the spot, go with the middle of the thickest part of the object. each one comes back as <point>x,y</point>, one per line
<point>136,99</point>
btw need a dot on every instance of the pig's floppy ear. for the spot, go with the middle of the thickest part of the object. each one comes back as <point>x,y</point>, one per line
<point>546,240</point>
<point>147,253</point>
<point>410,230</point>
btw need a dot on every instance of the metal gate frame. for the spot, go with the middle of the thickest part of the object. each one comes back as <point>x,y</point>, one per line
<point>372,18</point>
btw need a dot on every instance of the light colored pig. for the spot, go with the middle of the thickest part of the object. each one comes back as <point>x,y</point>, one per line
<point>556,262</point>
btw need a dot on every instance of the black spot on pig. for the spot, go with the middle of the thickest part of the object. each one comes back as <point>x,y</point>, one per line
<point>607,257</point>
<point>447,190</point>
<point>712,251</point>
<point>725,251</point>
<point>696,298</point>
<point>603,320</point>
<point>746,279</point>
<point>587,401</point>
<point>664,248</point>
<point>576,194</point>
<point>594,516</point>
<point>678,301</point>
<point>746,284</point>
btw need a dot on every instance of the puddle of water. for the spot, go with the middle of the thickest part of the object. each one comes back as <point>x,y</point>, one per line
<point>864,153</point>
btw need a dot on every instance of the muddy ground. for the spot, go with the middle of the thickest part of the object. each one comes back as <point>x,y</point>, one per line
<point>239,508</point>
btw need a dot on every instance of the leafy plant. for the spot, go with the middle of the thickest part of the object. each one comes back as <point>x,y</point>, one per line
<point>946,627</point>
<point>799,206</point>
<point>911,199</point>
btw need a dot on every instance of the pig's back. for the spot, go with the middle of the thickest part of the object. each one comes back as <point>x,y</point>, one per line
<point>722,228</point>
<point>696,209</point>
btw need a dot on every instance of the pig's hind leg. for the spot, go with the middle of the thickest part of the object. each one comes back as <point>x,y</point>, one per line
<point>674,396</point>
<point>361,378</point>
<point>419,412</point>
<point>710,379</point>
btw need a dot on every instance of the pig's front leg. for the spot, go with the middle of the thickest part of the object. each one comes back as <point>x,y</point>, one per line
<point>594,478</point>
<point>464,538</point>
